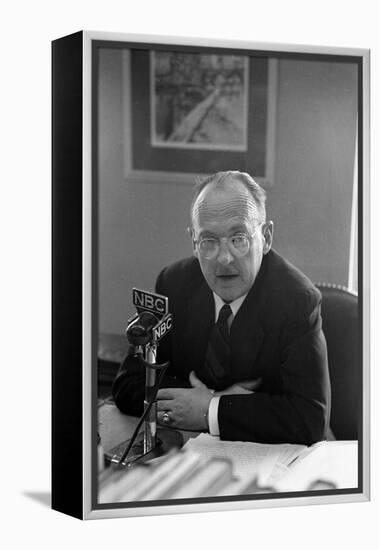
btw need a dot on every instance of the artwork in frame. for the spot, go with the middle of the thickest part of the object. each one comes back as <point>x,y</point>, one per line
<point>199,101</point>
<point>135,121</point>
<point>209,112</point>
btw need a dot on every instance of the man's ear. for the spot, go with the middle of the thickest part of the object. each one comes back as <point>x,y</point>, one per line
<point>268,234</point>
<point>192,236</point>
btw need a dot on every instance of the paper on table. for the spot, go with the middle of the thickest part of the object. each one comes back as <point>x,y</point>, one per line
<point>334,462</point>
<point>249,459</point>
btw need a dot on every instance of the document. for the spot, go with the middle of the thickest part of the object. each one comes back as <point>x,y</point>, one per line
<point>286,467</point>
<point>324,465</point>
<point>249,459</point>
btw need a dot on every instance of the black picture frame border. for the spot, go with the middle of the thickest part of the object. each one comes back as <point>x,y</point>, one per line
<point>67,254</point>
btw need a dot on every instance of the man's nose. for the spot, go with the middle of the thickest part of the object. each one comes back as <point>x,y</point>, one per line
<point>224,256</point>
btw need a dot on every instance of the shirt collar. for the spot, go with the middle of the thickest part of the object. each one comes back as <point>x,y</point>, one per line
<point>235,305</point>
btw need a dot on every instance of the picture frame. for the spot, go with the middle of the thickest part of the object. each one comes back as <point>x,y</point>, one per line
<point>148,160</point>
<point>88,106</point>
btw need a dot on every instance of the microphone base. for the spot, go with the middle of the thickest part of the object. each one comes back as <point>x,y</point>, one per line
<point>166,439</point>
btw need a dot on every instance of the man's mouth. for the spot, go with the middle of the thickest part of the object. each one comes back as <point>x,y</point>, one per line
<point>227,276</point>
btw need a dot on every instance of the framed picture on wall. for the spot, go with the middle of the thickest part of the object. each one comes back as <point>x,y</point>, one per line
<point>281,411</point>
<point>189,113</point>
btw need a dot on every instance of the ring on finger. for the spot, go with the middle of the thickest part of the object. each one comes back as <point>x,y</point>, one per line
<point>166,418</point>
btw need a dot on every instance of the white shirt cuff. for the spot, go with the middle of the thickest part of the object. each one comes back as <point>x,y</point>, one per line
<point>213,416</point>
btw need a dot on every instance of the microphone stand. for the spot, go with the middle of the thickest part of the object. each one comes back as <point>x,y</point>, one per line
<point>150,428</point>
<point>148,406</point>
<point>143,332</point>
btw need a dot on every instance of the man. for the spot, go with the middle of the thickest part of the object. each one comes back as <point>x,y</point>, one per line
<point>260,372</point>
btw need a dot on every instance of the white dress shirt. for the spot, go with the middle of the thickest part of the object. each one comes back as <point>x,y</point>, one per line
<point>213,405</point>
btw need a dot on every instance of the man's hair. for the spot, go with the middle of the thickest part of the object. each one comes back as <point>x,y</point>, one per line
<point>225,180</point>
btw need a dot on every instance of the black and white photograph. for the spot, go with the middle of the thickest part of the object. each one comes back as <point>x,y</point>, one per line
<point>96,222</point>
<point>227,277</point>
<point>118,257</point>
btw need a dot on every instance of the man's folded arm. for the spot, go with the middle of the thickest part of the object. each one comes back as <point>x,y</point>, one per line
<point>300,413</point>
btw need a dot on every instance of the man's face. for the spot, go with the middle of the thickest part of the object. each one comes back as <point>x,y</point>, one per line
<point>224,212</point>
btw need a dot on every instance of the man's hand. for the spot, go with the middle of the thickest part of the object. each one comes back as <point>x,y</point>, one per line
<point>186,408</point>
<point>247,386</point>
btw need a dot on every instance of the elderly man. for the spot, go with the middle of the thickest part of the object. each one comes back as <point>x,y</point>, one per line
<point>247,354</point>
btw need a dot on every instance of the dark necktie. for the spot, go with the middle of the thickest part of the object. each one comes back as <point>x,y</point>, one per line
<point>217,359</point>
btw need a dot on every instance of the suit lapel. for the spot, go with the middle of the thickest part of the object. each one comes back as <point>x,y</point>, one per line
<point>247,332</point>
<point>246,341</point>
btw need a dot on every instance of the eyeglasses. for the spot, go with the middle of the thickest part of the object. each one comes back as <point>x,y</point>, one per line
<point>238,244</point>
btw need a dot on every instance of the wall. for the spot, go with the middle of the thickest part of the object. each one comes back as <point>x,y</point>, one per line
<point>142,227</point>
<point>311,199</point>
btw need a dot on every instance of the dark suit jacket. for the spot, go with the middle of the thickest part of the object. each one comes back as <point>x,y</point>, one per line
<point>276,335</point>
